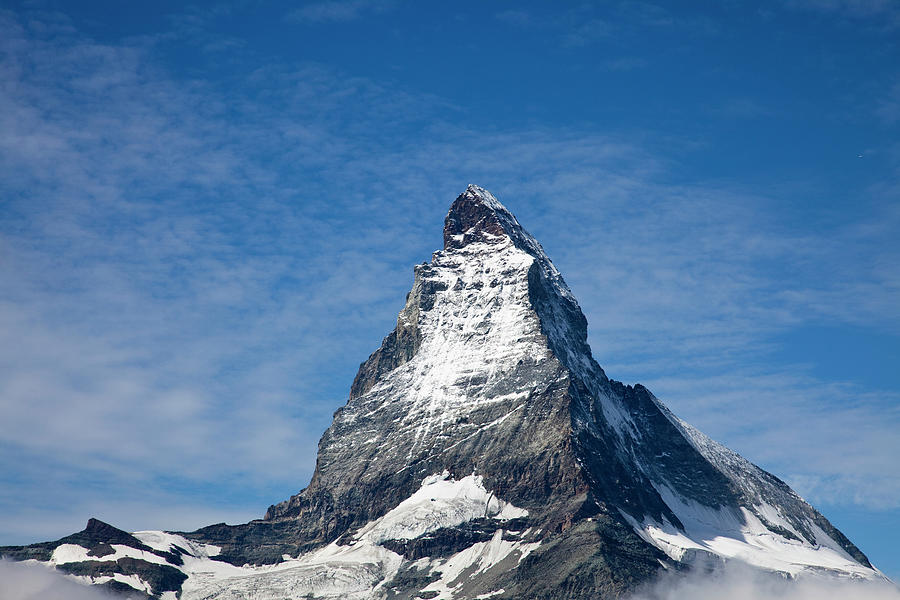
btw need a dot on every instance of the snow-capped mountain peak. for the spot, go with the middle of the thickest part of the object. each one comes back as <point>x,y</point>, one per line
<point>477,215</point>
<point>483,452</point>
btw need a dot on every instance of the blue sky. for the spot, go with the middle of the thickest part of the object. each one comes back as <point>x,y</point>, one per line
<point>209,217</point>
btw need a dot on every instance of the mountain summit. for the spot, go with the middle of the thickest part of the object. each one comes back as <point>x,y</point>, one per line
<point>482,453</point>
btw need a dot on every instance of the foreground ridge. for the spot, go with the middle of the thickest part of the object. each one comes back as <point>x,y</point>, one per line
<point>483,452</point>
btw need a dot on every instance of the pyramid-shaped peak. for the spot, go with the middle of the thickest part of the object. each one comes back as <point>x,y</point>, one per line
<point>477,216</point>
<point>479,194</point>
<point>96,531</point>
<point>94,525</point>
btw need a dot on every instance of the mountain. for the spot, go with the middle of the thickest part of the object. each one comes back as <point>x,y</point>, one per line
<point>483,453</point>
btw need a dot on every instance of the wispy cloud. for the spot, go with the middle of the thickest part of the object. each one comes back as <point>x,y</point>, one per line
<point>888,108</point>
<point>584,33</point>
<point>132,240</point>
<point>856,8</point>
<point>186,277</point>
<point>611,25</point>
<point>742,108</point>
<point>515,17</point>
<point>884,14</point>
<point>574,28</point>
<point>626,63</point>
<point>340,10</point>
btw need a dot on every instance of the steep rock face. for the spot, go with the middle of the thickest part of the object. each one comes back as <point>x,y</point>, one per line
<point>483,452</point>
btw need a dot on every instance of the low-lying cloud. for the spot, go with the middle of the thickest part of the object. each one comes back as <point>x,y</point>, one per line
<point>737,582</point>
<point>22,581</point>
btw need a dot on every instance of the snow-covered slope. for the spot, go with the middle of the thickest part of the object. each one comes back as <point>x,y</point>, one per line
<point>484,453</point>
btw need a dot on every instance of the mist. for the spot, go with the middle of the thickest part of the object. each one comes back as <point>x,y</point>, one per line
<point>25,581</point>
<point>737,582</point>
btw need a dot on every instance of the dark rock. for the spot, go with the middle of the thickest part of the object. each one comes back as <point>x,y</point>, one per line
<point>161,578</point>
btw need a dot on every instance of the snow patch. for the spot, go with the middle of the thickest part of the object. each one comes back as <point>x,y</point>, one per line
<point>69,553</point>
<point>474,560</point>
<point>134,581</point>
<point>739,534</point>
<point>440,502</point>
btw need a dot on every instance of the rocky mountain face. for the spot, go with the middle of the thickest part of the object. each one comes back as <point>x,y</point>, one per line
<point>482,453</point>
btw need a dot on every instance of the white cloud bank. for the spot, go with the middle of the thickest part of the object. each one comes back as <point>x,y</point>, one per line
<point>21,581</point>
<point>736,582</point>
